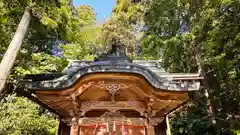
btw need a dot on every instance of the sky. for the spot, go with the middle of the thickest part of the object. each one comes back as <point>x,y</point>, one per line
<point>102,8</point>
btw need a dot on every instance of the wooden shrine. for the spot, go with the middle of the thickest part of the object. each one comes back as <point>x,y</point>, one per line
<point>112,95</point>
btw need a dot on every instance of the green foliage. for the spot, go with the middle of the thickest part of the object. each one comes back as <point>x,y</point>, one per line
<point>121,24</point>
<point>118,26</point>
<point>41,63</point>
<point>86,15</point>
<point>53,23</point>
<point>180,31</point>
<point>19,116</point>
<point>175,31</point>
<point>83,35</point>
<point>237,132</point>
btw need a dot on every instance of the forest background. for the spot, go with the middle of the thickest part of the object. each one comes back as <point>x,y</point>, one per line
<point>187,36</point>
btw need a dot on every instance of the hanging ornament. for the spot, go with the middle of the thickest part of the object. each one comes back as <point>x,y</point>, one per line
<point>144,130</point>
<point>107,126</point>
<point>95,129</point>
<point>123,130</point>
<point>114,126</point>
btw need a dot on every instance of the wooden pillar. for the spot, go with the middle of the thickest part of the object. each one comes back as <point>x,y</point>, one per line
<point>161,128</point>
<point>149,127</point>
<point>63,128</point>
<point>74,130</point>
<point>150,130</point>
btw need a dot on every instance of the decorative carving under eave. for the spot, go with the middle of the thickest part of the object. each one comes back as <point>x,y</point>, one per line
<point>76,106</point>
<point>112,118</point>
<point>115,114</point>
<point>97,120</point>
<point>113,106</point>
<point>111,87</point>
<point>83,87</point>
<point>115,117</point>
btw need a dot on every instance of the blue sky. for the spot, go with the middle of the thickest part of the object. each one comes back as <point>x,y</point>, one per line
<point>103,8</point>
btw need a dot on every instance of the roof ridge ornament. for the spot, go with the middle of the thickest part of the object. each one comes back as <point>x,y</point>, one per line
<point>117,53</point>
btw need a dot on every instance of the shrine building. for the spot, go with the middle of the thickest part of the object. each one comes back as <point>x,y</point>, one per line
<point>112,95</point>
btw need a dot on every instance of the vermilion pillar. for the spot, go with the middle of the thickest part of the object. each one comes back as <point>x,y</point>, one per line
<point>74,130</point>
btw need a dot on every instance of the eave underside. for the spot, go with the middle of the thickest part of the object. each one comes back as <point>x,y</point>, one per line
<point>97,94</point>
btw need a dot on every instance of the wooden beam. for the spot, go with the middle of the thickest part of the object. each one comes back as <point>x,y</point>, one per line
<point>13,49</point>
<point>91,121</point>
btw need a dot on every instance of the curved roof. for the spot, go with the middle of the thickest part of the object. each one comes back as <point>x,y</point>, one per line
<point>115,61</point>
<point>98,81</point>
<point>150,70</point>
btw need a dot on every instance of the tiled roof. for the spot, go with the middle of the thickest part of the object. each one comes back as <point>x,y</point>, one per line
<point>151,70</point>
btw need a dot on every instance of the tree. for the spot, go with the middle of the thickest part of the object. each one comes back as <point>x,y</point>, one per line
<point>19,116</point>
<point>12,51</point>
<point>185,34</point>
<point>53,23</point>
<point>81,46</point>
<point>199,32</point>
<point>122,25</point>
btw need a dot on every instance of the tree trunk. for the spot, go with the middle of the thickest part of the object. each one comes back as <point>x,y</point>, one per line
<point>13,49</point>
<point>201,71</point>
